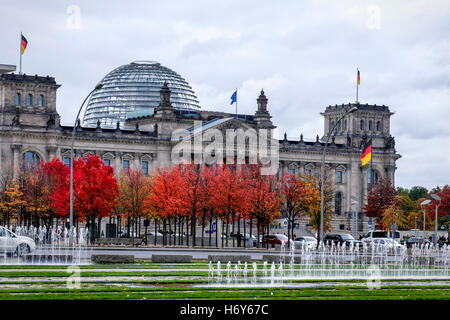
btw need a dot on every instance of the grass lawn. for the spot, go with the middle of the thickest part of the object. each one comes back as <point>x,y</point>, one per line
<point>42,282</point>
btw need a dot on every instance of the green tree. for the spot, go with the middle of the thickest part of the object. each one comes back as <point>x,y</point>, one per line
<point>417,192</point>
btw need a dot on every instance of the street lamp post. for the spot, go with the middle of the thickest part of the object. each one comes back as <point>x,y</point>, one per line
<point>436,197</point>
<point>99,86</point>
<point>424,203</point>
<point>355,218</point>
<point>322,170</point>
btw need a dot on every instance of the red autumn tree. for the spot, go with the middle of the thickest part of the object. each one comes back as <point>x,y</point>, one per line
<point>134,186</point>
<point>191,193</point>
<point>264,201</point>
<point>230,198</point>
<point>208,191</point>
<point>444,204</point>
<point>293,191</point>
<point>164,201</point>
<point>95,192</point>
<point>380,197</point>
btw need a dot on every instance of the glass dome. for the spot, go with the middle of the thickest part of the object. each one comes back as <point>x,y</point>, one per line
<point>135,87</point>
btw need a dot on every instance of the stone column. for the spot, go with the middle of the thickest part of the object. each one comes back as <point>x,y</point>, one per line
<point>136,161</point>
<point>51,151</point>
<point>117,163</point>
<point>16,151</point>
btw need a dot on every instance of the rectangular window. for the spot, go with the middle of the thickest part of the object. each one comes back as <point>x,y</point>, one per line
<point>145,167</point>
<point>292,171</point>
<point>308,171</point>
<point>107,162</point>
<point>339,175</point>
<point>67,161</point>
<point>125,165</point>
<point>372,177</point>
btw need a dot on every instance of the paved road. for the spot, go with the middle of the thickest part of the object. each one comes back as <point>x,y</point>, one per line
<point>146,253</point>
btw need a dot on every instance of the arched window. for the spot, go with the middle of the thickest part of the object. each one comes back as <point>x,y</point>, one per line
<point>17,98</point>
<point>361,125</point>
<point>30,159</point>
<point>338,203</point>
<point>332,125</point>
<point>378,126</point>
<point>29,99</point>
<point>345,124</point>
<point>370,124</point>
<point>41,100</point>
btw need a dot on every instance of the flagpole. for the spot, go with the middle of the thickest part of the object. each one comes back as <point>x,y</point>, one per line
<point>20,53</point>
<point>357,85</point>
<point>371,165</point>
<point>236,103</point>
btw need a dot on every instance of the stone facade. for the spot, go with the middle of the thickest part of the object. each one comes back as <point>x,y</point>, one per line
<point>30,127</point>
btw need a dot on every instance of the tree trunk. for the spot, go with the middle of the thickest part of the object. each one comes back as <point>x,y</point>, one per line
<point>239,231</point>
<point>232,221</point>
<point>164,232</point>
<point>170,232</point>
<point>251,225</point>
<point>245,245</point>
<point>194,224</point>
<point>223,224</point>
<point>156,230</point>
<point>187,231</point>
<point>228,228</point>
<point>217,236</point>
<point>175,231</point>
<point>210,225</point>
<point>203,229</point>
<point>258,227</point>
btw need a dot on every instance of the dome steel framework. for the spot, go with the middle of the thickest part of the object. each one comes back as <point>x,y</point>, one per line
<point>135,87</point>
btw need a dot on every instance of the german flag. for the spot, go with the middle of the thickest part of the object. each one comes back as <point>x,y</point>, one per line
<point>23,43</point>
<point>367,153</point>
<point>359,78</point>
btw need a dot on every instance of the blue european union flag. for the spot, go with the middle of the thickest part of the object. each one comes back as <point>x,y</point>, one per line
<point>234,97</point>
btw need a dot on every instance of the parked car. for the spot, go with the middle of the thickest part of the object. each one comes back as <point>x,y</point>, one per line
<point>415,240</point>
<point>309,242</point>
<point>338,238</point>
<point>389,242</point>
<point>124,234</point>
<point>152,234</point>
<point>246,237</point>
<point>10,243</point>
<point>275,239</point>
<point>355,243</point>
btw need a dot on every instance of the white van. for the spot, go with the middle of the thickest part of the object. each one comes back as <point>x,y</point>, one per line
<point>380,234</point>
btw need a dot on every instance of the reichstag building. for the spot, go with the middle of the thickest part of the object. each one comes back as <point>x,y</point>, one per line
<point>130,120</point>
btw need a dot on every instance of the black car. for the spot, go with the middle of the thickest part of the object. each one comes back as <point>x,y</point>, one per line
<point>338,238</point>
<point>358,243</point>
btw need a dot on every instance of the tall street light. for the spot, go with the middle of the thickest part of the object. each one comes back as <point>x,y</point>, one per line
<point>322,169</point>
<point>424,203</point>
<point>355,218</point>
<point>99,86</point>
<point>436,197</point>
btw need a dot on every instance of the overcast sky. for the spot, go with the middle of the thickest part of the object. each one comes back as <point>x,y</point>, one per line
<point>303,53</point>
